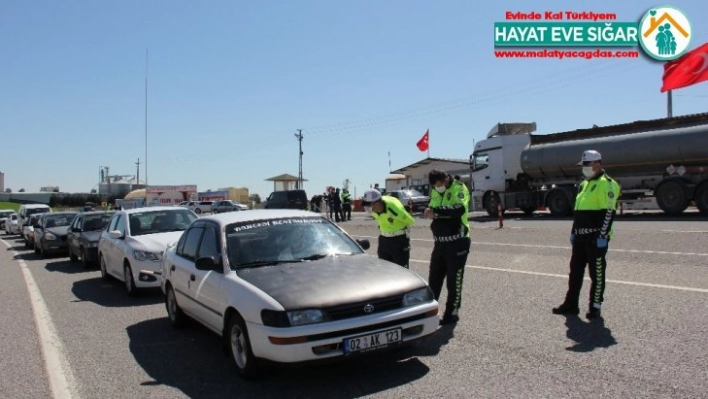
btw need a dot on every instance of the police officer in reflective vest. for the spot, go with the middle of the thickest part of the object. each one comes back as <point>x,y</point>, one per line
<point>449,209</point>
<point>346,205</point>
<point>394,226</point>
<point>595,208</point>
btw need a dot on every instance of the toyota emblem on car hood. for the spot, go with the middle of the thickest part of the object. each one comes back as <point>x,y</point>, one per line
<point>368,308</point>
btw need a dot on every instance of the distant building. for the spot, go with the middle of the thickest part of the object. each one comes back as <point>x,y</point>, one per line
<point>49,189</point>
<point>416,174</point>
<point>237,194</point>
<point>119,187</point>
<point>2,182</point>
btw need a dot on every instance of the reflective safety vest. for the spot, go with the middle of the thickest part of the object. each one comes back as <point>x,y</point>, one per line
<point>394,217</point>
<point>595,206</point>
<point>451,210</point>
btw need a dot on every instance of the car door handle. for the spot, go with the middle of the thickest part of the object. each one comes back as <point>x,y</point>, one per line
<point>486,177</point>
<point>173,268</point>
<point>192,277</point>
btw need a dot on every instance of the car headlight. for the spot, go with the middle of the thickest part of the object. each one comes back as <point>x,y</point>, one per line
<point>147,255</point>
<point>422,295</point>
<point>303,317</point>
<point>50,237</point>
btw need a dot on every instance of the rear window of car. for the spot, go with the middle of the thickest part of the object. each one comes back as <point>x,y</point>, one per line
<point>33,211</point>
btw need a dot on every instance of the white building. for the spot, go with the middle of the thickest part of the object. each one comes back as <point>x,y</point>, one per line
<point>49,189</point>
<point>2,182</point>
<point>416,174</point>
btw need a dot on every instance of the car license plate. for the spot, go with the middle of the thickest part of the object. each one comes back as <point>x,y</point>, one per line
<point>372,341</point>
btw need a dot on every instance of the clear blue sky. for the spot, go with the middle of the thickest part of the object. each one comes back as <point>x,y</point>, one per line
<point>231,81</point>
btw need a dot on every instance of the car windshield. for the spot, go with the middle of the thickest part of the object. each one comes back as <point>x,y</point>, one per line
<point>58,219</point>
<point>4,214</point>
<point>286,240</point>
<point>36,210</point>
<point>96,221</point>
<point>151,222</point>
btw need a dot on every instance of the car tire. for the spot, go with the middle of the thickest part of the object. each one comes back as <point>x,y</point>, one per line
<point>72,255</point>
<point>104,271</point>
<point>197,211</point>
<point>128,280</point>
<point>174,312</point>
<point>84,261</point>
<point>239,345</point>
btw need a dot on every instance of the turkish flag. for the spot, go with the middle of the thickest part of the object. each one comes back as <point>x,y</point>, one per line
<point>689,69</point>
<point>423,142</point>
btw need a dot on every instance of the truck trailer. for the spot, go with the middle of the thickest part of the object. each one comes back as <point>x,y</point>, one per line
<point>661,159</point>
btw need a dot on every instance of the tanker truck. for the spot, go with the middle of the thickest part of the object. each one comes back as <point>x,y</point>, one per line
<point>665,160</point>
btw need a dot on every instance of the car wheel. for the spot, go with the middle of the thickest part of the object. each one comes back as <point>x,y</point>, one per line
<point>129,282</point>
<point>104,271</point>
<point>197,211</point>
<point>72,255</point>
<point>84,260</point>
<point>240,346</point>
<point>174,312</point>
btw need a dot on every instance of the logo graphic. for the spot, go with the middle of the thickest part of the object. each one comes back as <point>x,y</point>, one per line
<point>368,308</point>
<point>665,33</point>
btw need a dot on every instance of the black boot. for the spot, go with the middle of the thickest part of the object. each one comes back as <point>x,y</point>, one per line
<point>449,319</point>
<point>593,312</point>
<point>566,309</point>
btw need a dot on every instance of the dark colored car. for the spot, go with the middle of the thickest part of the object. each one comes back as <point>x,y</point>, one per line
<point>84,232</point>
<point>419,200</point>
<point>50,233</point>
<point>287,199</point>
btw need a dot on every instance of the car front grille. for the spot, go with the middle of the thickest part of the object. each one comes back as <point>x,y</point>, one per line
<point>351,310</point>
<point>63,238</point>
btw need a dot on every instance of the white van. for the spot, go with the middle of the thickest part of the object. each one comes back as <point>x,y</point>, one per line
<point>28,210</point>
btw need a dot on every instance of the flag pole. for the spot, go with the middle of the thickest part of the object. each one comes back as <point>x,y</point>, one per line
<point>389,162</point>
<point>428,130</point>
<point>669,104</point>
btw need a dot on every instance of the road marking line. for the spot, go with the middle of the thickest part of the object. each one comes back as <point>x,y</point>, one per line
<point>61,379</point>
<point>565,276</point>
<point>636,251</point>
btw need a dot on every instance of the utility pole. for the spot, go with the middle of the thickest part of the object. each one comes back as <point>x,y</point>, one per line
<point>146,118</point>
<point>299,137</point>
<point>137,175</point>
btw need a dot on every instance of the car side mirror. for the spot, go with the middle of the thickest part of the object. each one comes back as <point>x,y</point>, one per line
<point>364,243</point>
<point>115,234</point>
<point>206,263</point>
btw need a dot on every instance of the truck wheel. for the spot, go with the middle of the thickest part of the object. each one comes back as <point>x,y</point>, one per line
<point>559,204</point>
<point>671,197</point>
<point>701,198</point>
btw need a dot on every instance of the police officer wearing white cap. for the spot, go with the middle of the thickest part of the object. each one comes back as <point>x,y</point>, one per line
<point>394,225</point>
<point>594,212</point>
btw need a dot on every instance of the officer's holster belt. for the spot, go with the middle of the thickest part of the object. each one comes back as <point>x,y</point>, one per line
<point>394,234</point>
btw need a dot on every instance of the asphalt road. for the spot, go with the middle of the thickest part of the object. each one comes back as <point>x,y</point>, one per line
<point>651,341</point>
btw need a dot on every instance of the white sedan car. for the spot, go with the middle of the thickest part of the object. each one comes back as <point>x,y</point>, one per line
<point>290,286</point>
<point>131,248</point>
<point>12,224</point>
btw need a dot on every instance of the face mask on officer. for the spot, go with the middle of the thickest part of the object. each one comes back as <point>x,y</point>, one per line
<point>588,171</point>
<point>441,189</point>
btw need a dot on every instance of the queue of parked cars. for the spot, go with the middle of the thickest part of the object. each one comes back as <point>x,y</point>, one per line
<point>276,285</point>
